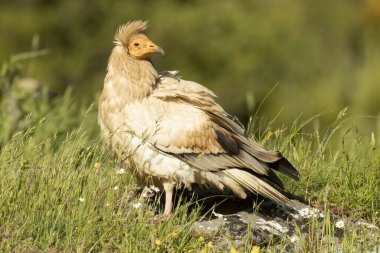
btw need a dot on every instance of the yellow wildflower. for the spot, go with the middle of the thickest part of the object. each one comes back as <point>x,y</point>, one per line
<point>174,234</point>
<point>209,245</point>
<point>201,239</point>
<point>255,249</point>
<point>158,242</point>
<point>233,250</point>
<point>97,165</point>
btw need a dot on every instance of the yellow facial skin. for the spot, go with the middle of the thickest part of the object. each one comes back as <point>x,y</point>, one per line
<point>141,47</point>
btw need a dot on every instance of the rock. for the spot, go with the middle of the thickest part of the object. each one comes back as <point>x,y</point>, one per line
<point>300,228</point>
<point>272,223</point>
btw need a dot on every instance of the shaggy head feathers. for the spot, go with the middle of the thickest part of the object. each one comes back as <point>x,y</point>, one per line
<point>125,32</point>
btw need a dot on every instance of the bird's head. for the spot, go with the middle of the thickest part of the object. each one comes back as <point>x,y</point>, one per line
<point>131,37</point>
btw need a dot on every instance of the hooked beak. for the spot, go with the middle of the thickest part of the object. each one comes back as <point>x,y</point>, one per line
<point>153,48</point>
<point>160,51</point>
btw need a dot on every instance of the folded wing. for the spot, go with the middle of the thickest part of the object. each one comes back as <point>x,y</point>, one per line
<point>195,129</point>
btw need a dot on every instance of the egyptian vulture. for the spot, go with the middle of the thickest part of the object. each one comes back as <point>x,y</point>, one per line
<point>174,133</point>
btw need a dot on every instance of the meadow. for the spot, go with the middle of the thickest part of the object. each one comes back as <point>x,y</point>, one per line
<point>62,191</point>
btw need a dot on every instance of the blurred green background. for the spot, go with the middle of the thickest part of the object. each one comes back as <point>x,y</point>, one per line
<point>324,55</point>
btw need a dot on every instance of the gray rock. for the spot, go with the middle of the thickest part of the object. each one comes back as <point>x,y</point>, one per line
<point>272,223</point>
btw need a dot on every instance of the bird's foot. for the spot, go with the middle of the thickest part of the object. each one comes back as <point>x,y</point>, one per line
<point>161,217</point>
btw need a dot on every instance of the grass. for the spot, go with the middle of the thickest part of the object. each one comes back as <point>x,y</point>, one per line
<point>67,195</point>
<point>74,199</point>
<point>61,191</point>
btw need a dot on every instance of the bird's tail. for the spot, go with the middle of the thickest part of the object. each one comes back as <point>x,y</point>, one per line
<point>254,184</point>
<point>286,168</point>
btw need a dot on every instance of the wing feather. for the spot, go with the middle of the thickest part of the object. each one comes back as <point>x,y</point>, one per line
<point>195,129</point>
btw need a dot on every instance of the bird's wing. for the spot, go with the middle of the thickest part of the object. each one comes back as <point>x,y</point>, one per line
<point>225,138</point>
<point>190,125</point>
<point>210,123</point>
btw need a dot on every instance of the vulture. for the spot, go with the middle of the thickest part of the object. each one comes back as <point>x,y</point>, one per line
<point>173,133</point>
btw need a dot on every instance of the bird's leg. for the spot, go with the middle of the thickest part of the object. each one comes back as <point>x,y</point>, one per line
<point>168,187</point>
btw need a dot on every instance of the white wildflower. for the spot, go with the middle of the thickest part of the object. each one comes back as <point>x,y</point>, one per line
<point>120,171</point>
<point>144,195</point>
<point>136,206</point>
<point>308,212</point>
<point>81,199</point>
<point>154,188</point>
<point>116,188</point>
<point>339,224</point>
<point>294,239</point>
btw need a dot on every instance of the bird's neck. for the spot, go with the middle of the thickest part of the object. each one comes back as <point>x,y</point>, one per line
<point>134,79</point>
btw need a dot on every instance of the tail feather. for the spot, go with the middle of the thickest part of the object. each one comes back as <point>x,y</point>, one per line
<point>212,179</point>
<point>256,185</point>
<point>275,179</point>
<point>232,185</point>
<point>286,168</point>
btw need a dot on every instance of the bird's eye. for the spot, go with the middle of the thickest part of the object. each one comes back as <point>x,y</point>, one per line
<point>136,44</point>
